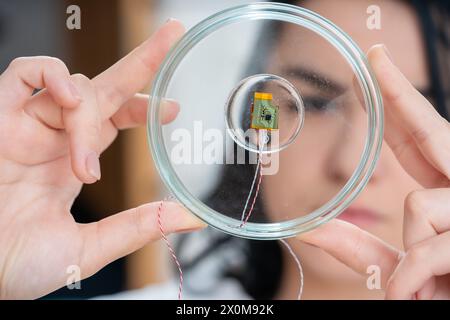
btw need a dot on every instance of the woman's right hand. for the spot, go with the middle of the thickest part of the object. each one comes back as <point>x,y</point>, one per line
<point>50,144</point>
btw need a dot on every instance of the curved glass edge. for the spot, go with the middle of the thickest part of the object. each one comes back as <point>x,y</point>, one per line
<point>361,67</point>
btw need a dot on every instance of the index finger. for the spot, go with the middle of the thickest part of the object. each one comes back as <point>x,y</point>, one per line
<point>132,73</point>
<point>416,133</point>
<point>354,247</point>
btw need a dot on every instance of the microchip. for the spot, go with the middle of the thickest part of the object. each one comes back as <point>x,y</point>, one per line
<point>263,113</point>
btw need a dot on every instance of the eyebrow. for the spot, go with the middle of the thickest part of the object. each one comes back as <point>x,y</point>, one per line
<point>316,79</point>
<point>322,82</point>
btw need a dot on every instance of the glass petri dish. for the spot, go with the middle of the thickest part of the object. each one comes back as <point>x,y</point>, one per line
<point>272,96</point>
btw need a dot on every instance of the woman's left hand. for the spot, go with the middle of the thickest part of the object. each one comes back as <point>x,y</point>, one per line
<point>420,139</point>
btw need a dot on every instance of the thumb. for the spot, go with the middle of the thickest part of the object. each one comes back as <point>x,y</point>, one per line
<point>125,232</point>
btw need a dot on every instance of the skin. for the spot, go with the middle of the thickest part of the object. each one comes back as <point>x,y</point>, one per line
<point>409,235</point>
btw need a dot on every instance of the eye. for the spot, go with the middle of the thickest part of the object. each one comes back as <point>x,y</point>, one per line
<point>316,104</point>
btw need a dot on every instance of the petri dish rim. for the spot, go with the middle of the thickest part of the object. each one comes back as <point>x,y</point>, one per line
<point>371,94</point>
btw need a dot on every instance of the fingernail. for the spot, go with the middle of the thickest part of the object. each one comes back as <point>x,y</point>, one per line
<point>187,230</point>
<point>170,109</point>
<point>170,20</point>
<point>74,91</point>
<point>175,106</point>
<point>171,101</point>
<point>191,223</point>
<point>386,51</point>
<point>93,165</point>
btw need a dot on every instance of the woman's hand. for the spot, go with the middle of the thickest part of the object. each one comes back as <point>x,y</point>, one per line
<point>49,146</point>
<point>420,139</point>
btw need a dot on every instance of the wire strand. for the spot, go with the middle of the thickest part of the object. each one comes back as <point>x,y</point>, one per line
<point>299,267</point>
<point>263,136</point>
<point>171,251</point>
<point>251,190</point>
<point>254,198</point>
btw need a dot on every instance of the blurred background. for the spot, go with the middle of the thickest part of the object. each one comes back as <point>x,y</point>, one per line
<point>109,29</point>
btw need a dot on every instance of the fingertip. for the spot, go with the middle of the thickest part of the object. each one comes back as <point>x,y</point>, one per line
<point>379,51</point>
<point>177,28</point>
<point>170,109</point>
<point>85,165</point>
<point>179,219</point>
<point>74,93</point>
<point>92,166</point>
<point>169,33</point>
<point>379,57</point>
<point>64,93</point>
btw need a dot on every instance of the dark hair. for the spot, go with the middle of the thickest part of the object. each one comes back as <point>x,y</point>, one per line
<point>260,279</point>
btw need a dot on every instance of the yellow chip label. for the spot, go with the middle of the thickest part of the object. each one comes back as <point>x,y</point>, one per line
<point>263,96</point>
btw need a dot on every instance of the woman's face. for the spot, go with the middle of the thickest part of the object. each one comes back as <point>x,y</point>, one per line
<point>328,148</point>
